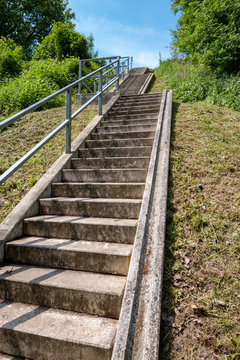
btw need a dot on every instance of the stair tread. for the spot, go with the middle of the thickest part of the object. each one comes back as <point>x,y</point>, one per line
<point>57,324</point>
<point>72,245</point>
<point>82,220</point>
<point>94,200</point>
<point>89,282</point>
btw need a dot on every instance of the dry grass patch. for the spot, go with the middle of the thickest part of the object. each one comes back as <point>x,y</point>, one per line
<point>19,138</point>
<point>201,290</point>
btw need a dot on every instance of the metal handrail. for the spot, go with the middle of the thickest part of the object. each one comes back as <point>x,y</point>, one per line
<point>69,116</point>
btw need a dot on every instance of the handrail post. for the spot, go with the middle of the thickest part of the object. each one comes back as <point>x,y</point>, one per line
<point>118,66</point>
<point>100,90</point>
<point>95,86</point>
<point>79,76</point>
<point>107,81</point>
<point>128,64</point>
<point>69,124</point>
<point>131,62</point>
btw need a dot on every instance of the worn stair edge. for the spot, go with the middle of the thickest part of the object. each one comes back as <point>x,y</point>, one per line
<point>40,333</point>
<point>110,163</point>
<point>91,207</point>
<point>124,341</point>
<point>100,257</point>
<point>12,226</point>
<point>79,291</point>
<point>114,152</point>
<point>99,190</point>
<point>119,142</point>
<point>104,175</point>
<point>85,228</point>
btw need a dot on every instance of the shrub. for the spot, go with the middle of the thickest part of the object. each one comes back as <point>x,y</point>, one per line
<point>38,81</point>
<point>11,58</point>
<point>192,83</point>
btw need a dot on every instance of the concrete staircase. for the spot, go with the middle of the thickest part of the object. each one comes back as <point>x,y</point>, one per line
<point>62,284</point>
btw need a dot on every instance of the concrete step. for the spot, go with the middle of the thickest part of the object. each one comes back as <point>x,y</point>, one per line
<point>49,334</point>
<point>123,135</point>
<point>125,128</point>
<point>92,207</point>
<point>137,106</point>
<point>140,96</point>
<point>138,110</point>
<point>109,143</point>
<point>137,101</point>
<point>99,257</point>
<point>110,163</point>
<point>113,117</point>
<point>85,292</point>
<point>82,228</point>
<point>138,122</point>
<point>99,190</point>
<point>104,175</point>
<point>10,357</point>
<point>115,152</point>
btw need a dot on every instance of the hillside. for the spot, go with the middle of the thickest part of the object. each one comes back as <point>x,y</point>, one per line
<point>200,318</point>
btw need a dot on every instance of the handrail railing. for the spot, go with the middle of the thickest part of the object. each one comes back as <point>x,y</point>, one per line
<point>69,116</point>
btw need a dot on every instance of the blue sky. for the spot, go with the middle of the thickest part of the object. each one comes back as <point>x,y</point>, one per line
<point>127,28</point>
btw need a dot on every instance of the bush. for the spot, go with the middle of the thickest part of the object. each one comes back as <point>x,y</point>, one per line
<point>192,83</point>
<point>38,81</point>
<point>11,58</point>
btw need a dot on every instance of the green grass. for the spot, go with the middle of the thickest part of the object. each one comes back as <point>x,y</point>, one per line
<point>19,138</point>
<point>201,290</point>
<point>192,83</point>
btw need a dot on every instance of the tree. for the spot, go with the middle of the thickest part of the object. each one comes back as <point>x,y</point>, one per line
<point>209,32</point>
<point>11,58</point>
<point>28,21</point>
<point>64,41</point>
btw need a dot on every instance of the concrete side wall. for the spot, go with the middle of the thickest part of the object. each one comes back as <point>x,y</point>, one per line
<point>12,227</point>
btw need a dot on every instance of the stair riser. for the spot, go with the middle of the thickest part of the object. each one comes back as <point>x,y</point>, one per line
<point>46,348</point>
<point>72,260</point>
<point>61,298</point>
<point>76,231</point>
<point>92,209</point>
<point>114,152</point>
<point>129,111</point>
<point>126,135</point>
<point>115,191</point>
<point>118,143</point>
<point>128,122</point>
<point>132,117</point>
<point>111,175</point>
<point>136,102</point>
<point>112,163</point>
<point>125,128</point>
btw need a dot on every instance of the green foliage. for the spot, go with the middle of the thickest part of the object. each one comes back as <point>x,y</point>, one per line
<point>208,32</point>
<point>63,41</point>
<point>192,83</point>
<point>11,58</point>
<point>38,81</point>
<point>28,21</point>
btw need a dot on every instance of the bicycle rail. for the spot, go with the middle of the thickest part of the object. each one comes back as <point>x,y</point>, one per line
<point>69,116</point>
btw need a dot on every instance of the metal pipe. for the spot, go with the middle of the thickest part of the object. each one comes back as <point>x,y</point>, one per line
<point>69,125</point>
<point>35,106</point>
<point>79,77</point>
<point>100,91</point>
<point>30,153</point>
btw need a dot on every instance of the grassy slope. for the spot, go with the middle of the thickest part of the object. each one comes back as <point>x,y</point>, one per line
<point>16,140</point>
<point>201,290</point>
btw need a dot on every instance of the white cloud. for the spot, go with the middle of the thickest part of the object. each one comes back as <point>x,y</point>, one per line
<point>114,38</point>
